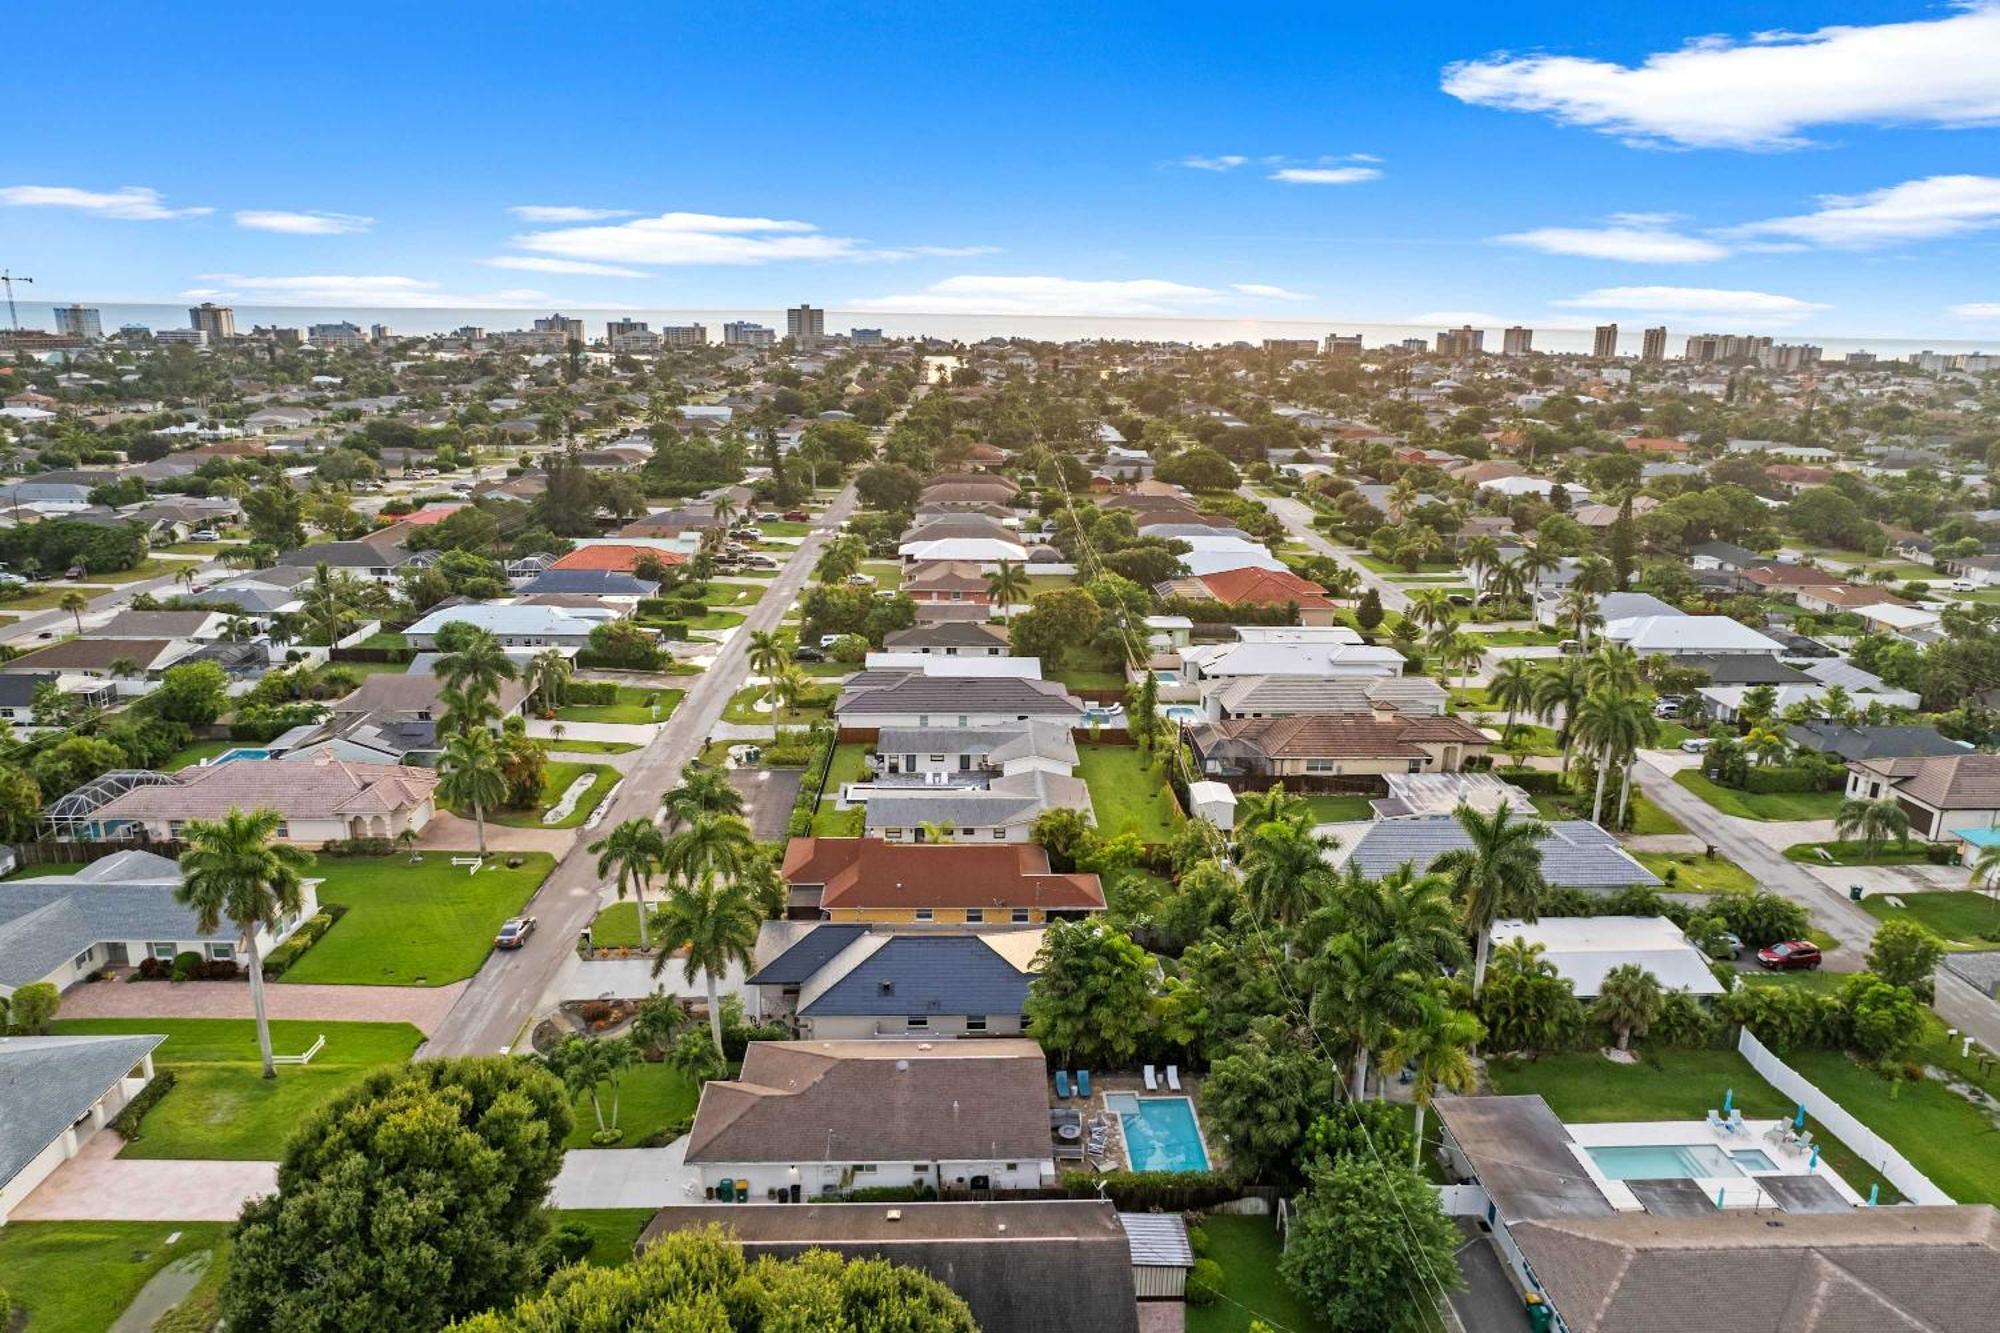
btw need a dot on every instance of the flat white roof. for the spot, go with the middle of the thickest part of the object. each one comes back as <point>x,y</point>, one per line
<point>1584,948</point>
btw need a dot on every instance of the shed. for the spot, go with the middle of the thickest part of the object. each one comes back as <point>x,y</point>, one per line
<point>1215,802</point>
<point>1161,1254</point>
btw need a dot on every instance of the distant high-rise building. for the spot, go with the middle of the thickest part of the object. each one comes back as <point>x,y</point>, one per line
<point>381,333</point>
<point>560,327</point>
<point>615,328</point>
<point>1292,346</point>
<point>1604,342</point>
<point>1418,345</point>
<point>1655,345</point>
<point>469,333</point>
<point>1461,341</point>
<point>79,321</point>
<point>283,337</point>
<point>1789,358</point>
<point>342,334</point>
<point>805,326</point>
<point>1861,358</point>
<point>684,335</point>
<point>742,333</point>
<point>866,337</point>
<point>195,337</point>
<point>1517,341</point>
<point>217,321</point>
<point>1343,344</point>
<point>1712,348</point>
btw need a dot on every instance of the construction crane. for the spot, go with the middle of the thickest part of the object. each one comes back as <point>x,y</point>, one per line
<point>13,316</point>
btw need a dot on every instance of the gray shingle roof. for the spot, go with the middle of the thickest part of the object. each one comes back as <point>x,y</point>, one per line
<point>796,964</point>
<point>595,582</point>
<point>923,974</point>
<point>47,1083</point>
<point>47,921</point>
<point>948,696</point>
<point>1576,854</point>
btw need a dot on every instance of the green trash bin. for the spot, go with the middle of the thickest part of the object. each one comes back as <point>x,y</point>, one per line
<point>726,1192</point>
<point>1854,892</point>
<point>1540,1317</point>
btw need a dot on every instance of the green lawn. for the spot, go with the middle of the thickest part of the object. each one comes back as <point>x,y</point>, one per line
<point>1942,1134</point>
<point>78,1277</point>
<point>197,752</point>
<point>1091,672</point>
<point>651,1097</point>
<point>715,620</point>
<point>1538,739</point>
<point>568,746</point>
<point>888,575</point>
<point>1966,918</point>
<point>1473,699</point>
<point>46,869</point>
<point>1671,735</point>
<point>384,639</point>
<point>1248,1249</point>
<point>1694,873</point>
<point>414,925</point>
<point>1339,809</point>
<point>742,708</point>
<point>194,548</point>
<point>1778,806</point>
<point>1584,1087</point>
<point>1368,561</point>
<point>1127,793</point>
<point>145,569</point>
<point>556,778</point>
<point>1649,820</point>
<point>1519,638</point>
<point>221,1105</point>
<point>847,766</point>
<point>614,1231</point>
<point>1856,854</point>
<point>617,926</point>
<point>633,704</point>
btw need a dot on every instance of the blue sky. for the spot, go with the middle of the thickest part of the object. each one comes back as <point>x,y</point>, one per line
<point>1376,162</point>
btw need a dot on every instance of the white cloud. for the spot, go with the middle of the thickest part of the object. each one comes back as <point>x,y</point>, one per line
<point>1763,91</point>
<point>1633,239</point>
<point>539,264</point>
<point>1988,311</point>
<point>1708,302</point>
<point>1913,211</point>
<point>342,289</point>
<point>302,224</point>
<point>133,203</point>
<point>565,213</point>
<point>710,238</point>
<point>1326,175</point>
<point>977,294</point>
<point>1269,292</point>
<point>1226,162</point>
<point>1448,318</point>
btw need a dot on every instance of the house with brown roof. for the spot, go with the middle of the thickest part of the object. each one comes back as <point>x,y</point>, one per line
<point>873,880</point>
<point>1271,587</point>
<point>130,661</point>
<point>828,1117</point>
<point>1827,599</point>
<point>1257,751</point>
<point>318,800</point>
<point>968,494</point>
<point>616,558</point>
<point>1940,793</point>
<point>1650,444</point>
<point>1782,578</point>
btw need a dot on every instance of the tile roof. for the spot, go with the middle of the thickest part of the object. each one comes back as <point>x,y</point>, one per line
<point>1577,853</point>
<point>152,625</point>
<point>946,575</point>
<point>48,1083</point>
<point>47,920</point>
<point>1338,735</point>
<point>946,634</point>
<point>868,873</point>
<point>618,557</point>
<point>318,789</point>
<point>1264,587</point>
<point>808,954</point>
<point>1944,782</point>
<point>947,696</point>
<point>92,654</point>
<point>880,1101</point>
<point>588,582</point>
<point>1272,695</point>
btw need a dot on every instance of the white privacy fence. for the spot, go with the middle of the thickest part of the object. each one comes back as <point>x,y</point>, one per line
<point>1863,1141</point>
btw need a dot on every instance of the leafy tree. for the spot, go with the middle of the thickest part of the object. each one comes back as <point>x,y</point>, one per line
<point>1368,615</point>
<point>1885,1020</point>
<point>34,1007</point>
<point>1357,1129</point>
<point>414,1198</point>
<point>1262,1095</point>
<point>1055,623</point>
<point>276,517</point>
<point>695,1057</point>
<point>1092,992</point>
<point>1759,918</point>
<point>659,1018</point>
<point>469,775</point>
<point>1369,1248</point>
<point>889,486</point>
<point>1905,953</point>
<point>234,871</point>
<point>73,761</point>
<point>20,805</point>
<point>1628,1001</point>
<point>1526,1004</point>
<point>699,1282</point>
<point>1199,469</point>
<point>195,693</point>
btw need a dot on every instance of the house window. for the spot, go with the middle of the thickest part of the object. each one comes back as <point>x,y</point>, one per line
<point>975,915</point>
<point>951,652</point>
<point>1020,916</point>
<point>926,914</point>
<point>221,953</point>
<point>999,835</point>
<point>923,719</point>
<point>82,960</point>
<point>966,832</point>
<point>163,950</point>
<point>917,1021</point>
<point>892,835</point>
<point>976,1023</point>
<point>937,759</point>
<point>1416,765</point>
<point>965,763</point>
<point>284,829</point>
<point>1319,766</point>
<point>864,1168</point>
<point>174,827</point>
<point>961,719</point>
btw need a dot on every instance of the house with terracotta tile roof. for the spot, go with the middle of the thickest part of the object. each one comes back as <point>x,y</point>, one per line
<point>1648,444</point>
<point>947,581</point>
<point>1256,751</point>
<point>318,800</point>
<point>1271,587</point>
<point>617,558</point>
<point>871,880</point>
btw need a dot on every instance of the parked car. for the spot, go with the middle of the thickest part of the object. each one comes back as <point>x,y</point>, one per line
<point>797,516</point>
<point>515,933</point>
<point>205,535</point>
<point>1459,599</point>
<point>1667,708</point>
<point>828,640</point>
<point>1696,744</point>
<point>1961,585</point>
<point>1568,646</point>
<point>861,580</point>
<point>1786,955</point>
<point>768,516</point>
<point>11,580</point>
<point>1725,944</point>
<point>808,654</point>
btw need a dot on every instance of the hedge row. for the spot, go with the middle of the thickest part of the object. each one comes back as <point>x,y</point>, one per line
<point>308,934</point>
<point>131,1117</point>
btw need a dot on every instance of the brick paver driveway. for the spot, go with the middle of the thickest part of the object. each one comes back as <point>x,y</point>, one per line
<point>99,1186</point>
<point>423,1007</point>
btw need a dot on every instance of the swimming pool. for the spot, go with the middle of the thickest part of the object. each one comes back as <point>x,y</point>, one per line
<point>240,753</point>
<point>1181,713</point>
<point>1161,1133</point>
<point>1665,1161</point>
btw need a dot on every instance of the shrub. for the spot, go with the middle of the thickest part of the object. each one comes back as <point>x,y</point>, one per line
<point>594,1011</point>
<point>1198,1241</point>
<point>186,965</point>
<point>1884,1021</point>
<point>307,935</point>
<point>130,1120</point>
<point>152,969</point>
<point>591,692</point>
<point>219,969</point>
<point>1204,1282</point>
<point>1148,1191</point>
<point>1941,853</point>
<point>34,1007</point>
<point>1759,918</point>
<point>1780,778</point>
<point>567,1244</point>
<point>358,847</point>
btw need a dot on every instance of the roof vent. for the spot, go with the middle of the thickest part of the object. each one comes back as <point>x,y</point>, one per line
<point>885,987</point>
<point>893,1215</point>
<point>1003,1226</point>
<point>902,1064</point>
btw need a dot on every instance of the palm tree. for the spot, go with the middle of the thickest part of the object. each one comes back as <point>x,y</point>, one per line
<point>469,774</point>
<point>185,576</point>
<point>1275,805</point>
<point>1362,989</point>
<point>1431,608</point>
<point>1872,822</point>
<point>1479,555</point>
<point>660,1017</point>
<point>328,607</point>
<point>715,921</point>
<point>1535,562</point>
<point>1507,581</point>
<point>789,685</point>
<point>633,850</point>
<point>1614,666</point>
<point>1628,1000</point>
<point>703,790</point>
<point>1439,1043</point>
<point>1613,725</point>
<point>74,602</point>
<point>1513,687</point>
<point>767,652</point>
<point>1008,584</point>
<point>1579,611</point>
<point>725,511</point>
<point>1558,692</point>
<point>1461,653</point>
<point>1285,874</point>
<point>840,558</point>
<point>1500,873</point>
<point>548,678</point>
<point>478,666</point>
<point>1595,575</point>
<point>232,870</point>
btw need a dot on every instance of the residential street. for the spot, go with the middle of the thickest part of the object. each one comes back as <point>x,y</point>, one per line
<point>500,1000</point>
<point>1297,518</point>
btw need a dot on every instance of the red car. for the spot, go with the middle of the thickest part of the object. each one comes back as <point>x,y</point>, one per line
<point>1787,954</point>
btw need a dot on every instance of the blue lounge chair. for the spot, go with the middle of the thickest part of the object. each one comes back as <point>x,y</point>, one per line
<point>1062,1084</point>
<point>1083,1082</point>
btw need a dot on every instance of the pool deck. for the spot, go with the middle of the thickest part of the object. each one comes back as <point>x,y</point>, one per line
<point>1115,1156</point>
<point>1741,1191</point>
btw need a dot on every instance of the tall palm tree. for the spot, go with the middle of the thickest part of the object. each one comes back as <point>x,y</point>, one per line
<point>1275,805</point>
<point>1460,653</point>
<point>1595,575</point>
<point>233,871</point>
<point>1513,687</point>
<point>1628,1000</point>
<point>1479,555</point>
<point>548,676</point>
<point>469,774</point>
<point>1285,874</point>
<point>1439,1043</point>
<point>789,686</point>
<point>1558,692</point>
<point>1535,562</point>
<point>1008,584</point>
<point>1500,873</point>
<point>702,790</point>
<point>711,846</point>
<point>1579,611</point>
<point>717,923</point>
<point>477,666</point>
<point>1611,725</point>
<point>725,511</point>
<point>329,603</point>
<point>840,558</point>
<point>1363,988</point>
<point>1506,580</point>
<point>185,576</point>
<point>1872,822</point>
<point>1614,666</point>
<point>1431,608</point>
<point>633,851</point>
<point>766,652</point>
<point>74,602</point>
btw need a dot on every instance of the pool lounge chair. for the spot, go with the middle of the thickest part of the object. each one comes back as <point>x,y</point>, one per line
<point>1735,1125</point>
<point>1062,1084</point>
<point>1174,1077</point>
<point>1083,1083</point>
<point>1152,1080</point>
<point>1714,1119</point>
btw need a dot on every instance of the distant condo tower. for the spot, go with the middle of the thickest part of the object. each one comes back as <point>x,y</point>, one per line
<point>217,321</point>
<point>1604,342</point>
<point>805,326</point>
<point>79,321</point>
<point>1655,348</point>
<point>1517,341</point>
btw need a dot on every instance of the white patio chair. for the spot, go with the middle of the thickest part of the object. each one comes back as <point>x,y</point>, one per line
<point>1152,1080</point>
<point>1174,1077</point>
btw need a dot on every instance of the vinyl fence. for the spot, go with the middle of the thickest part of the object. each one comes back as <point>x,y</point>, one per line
<point>1865,1142</point>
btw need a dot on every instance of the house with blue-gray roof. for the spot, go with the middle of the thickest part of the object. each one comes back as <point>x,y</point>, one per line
<point>1576,854</point>
<point>844,982</point>
<point>55,1093</point>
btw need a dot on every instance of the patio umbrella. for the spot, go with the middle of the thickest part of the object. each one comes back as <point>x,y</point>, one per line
<point>1728,1099</point>
<point>1799,1120</point>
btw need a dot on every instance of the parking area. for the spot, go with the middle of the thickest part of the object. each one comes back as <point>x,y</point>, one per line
<point>768,796</point>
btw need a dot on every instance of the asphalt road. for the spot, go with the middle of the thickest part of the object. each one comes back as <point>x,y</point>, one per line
<point>1297,518</point>
<point>498,1004</point>
<point>24,632</point>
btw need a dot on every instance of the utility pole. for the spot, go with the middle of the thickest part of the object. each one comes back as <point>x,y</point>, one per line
<point>13,317</point>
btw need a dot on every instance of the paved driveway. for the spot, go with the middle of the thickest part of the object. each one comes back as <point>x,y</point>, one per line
<point>1297,518</point>
<point>768,797</point>
<point>99,1186</point>
<point>626,1178</point>
<point>423,1007</point>
<point>1489,1301</point>
<point>447,832</point>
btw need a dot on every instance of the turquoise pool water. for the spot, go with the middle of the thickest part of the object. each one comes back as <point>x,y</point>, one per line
<point>240,753</point>
<point>1695,1161</point>
<point>1181,713</point>
<point>1161,1133</point>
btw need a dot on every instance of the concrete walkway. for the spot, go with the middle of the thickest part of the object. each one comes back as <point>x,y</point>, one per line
<point>99,1186</point>
<point>423,1007</point>
<point>626,1178</point>
<point>630,978</point>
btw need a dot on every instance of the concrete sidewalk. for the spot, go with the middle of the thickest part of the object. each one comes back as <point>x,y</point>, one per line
<point>423,1007</point>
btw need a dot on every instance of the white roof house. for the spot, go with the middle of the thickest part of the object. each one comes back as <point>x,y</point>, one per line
<point>976,550</point>
<point>1212,555</point>
<point>516,623</point>
<point>1689,635</point>
<point>1291,659</point>
<point>1897,618</point>
<point>1524,486</point>
<point>1584,948</point>
<point>934,664</point>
